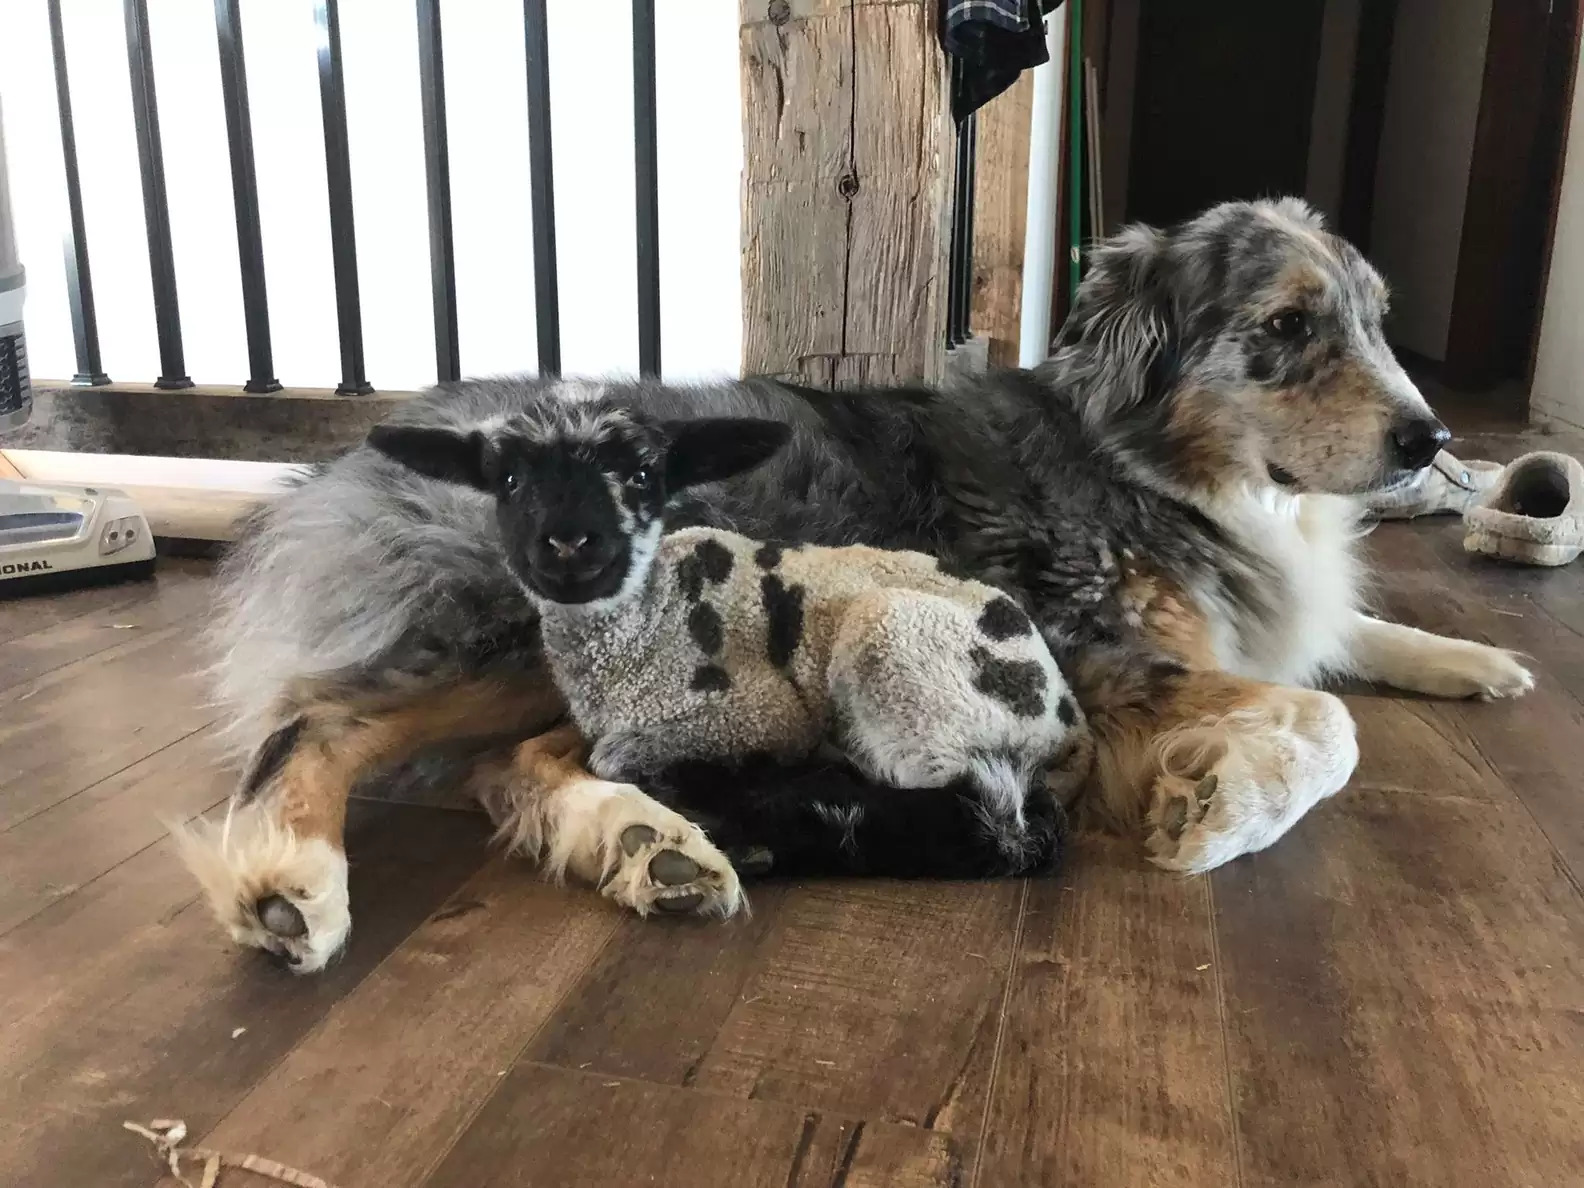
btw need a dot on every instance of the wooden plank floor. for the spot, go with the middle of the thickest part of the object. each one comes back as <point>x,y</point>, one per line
<point>1392,996</point>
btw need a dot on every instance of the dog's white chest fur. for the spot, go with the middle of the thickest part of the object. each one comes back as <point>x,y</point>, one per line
<point>1309,541</point>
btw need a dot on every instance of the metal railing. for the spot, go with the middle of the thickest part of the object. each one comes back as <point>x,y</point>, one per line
<point>959,262</point>
<point>343,235</point>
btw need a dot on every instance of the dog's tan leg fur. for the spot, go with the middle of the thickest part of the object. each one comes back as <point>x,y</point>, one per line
<point>549,806</point>
<point>1211,766</point>
<point>1407,658</point>
<point>287,844</point>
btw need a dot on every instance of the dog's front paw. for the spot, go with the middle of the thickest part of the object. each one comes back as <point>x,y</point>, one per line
<point>271,889</point>
<point>1235,785</point>
<point>670,866</point>
<point>1478,670</point>
<point>656,860</point>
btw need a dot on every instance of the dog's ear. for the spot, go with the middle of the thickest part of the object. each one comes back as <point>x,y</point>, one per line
<point>1123,328</point>
<point>715,448</point>
<point>437,453</point>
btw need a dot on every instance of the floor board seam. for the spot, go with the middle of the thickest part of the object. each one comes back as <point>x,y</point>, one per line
<point>1557,855</point>
<point>62,673</point>
<point>131,599</point>
<point>516,1059</point>
<point>324,1020</point>
<point>1226,1037</point>
<point>55,804</point>
<point>131,605</point>
<point>1000,1035</point>
<point>81,887</point>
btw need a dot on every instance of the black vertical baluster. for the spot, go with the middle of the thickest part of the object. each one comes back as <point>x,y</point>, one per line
<point>156,213</point>
<point>959,272</point>
<point>338,172</point>
<point>954,247</point>
<point>244,194</point>
<point>437,176</point>
<point>79,284</point>
<point>541,188</point>
<point>970,133</point>
<point>647,177</point>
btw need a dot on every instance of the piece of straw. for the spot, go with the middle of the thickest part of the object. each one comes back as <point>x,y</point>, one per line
<point>167,1134</point>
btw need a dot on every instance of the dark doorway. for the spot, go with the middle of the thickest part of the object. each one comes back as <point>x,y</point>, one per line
<point>1224,99</point>
<point>1513,182</point>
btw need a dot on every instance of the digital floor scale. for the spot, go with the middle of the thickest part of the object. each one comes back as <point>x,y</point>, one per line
<point>53,536</point>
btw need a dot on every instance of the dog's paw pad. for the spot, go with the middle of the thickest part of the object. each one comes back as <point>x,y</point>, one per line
<point>281,917</point>
<point>669,868</point>
<point>688,901</point>
<point>636,837</point>
<point>1180,805</point>
<point>1174,817</point>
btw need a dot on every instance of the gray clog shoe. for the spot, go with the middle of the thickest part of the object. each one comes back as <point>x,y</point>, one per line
<point>1534,514</point>
<point>1446,485</point>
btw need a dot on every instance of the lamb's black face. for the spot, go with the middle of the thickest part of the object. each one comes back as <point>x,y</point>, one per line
<point>580,513</point>
<point>581,486</point>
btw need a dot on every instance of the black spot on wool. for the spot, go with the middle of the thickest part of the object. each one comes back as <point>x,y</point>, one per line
<point>711,678</point>
<point>768,556</point>
<point>715,560</point>
<point>690,577</point>
<point>270,758</point>
<point>784,612</point>
<point>1017,684</point>
<point>1067,711</point>
<point>1001,620</point>
<point>704,625</point>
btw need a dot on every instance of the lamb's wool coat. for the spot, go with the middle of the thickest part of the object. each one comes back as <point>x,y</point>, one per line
<point>732,648</point>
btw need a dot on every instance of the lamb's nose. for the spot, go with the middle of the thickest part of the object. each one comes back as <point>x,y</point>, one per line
<point>566,549</point>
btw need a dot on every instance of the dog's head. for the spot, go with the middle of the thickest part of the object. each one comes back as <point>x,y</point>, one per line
<point>1245,346</point>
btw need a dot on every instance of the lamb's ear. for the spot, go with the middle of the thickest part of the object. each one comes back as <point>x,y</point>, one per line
<point>436,453</point>
<point>715,448</point>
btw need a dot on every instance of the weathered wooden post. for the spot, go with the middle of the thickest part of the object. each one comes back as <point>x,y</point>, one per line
<point>846,180</point>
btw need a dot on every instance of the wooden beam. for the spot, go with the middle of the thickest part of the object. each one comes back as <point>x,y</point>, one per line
<point>846,164</point>
<point>1000,213</point>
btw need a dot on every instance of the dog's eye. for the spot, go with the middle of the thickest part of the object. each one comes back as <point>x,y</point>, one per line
<point>511,482</point>
<point>638,480</point>
<point>1290,324</point>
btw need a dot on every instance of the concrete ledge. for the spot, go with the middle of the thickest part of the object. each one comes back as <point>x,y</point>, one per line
<point>293,425</point>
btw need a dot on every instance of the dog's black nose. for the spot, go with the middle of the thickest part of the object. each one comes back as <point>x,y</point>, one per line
<point>1416,442</point>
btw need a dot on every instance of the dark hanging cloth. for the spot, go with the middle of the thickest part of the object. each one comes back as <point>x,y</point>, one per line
<point>990,43</point>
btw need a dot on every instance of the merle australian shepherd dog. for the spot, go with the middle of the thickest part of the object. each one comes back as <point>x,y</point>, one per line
<point>1171,497</point>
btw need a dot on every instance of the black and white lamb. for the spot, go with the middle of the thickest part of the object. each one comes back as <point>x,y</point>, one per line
<point>705,651</point>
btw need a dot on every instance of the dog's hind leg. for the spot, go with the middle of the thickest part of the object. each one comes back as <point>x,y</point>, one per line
<point>275,871</point>
<point>640,853</point>
<point>1211,766</point>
